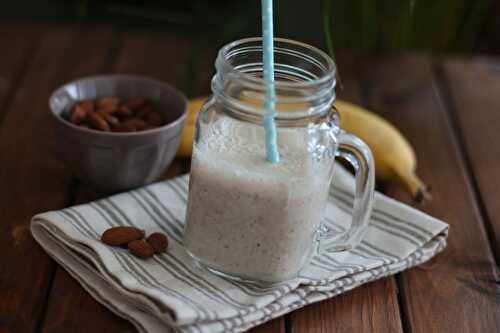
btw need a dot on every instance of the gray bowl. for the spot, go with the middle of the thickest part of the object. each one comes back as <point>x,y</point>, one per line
<point>110,161</point>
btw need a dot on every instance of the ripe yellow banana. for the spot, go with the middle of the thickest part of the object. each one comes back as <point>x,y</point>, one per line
<point>394,156</point>
<point>186,146</point>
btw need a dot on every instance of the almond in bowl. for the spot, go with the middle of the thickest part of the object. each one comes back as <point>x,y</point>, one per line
<point>118,132</point>
<point>112,114</point>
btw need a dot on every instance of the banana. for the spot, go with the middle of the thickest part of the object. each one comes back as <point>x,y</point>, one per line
<point>394,156</point>
<point>186,146</point>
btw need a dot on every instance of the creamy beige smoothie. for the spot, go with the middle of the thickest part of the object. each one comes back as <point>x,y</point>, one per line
<point>247,217</point>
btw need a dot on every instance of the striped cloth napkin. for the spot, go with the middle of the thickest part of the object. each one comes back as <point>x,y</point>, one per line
<point>168,293</point>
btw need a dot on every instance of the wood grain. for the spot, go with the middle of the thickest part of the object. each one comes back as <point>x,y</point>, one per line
<point>370,308</point>
<point>22,41</point>
<point>162,56</point>
<point>32,179</point>
<point>473,88</point>
<point>436,297</point>
<point>28,173</point>
<point>204,68</point>
<point>72,309</point>
<point>274,326</point>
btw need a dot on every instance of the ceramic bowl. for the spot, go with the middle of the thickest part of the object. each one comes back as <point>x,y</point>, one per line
<point>112,161</point>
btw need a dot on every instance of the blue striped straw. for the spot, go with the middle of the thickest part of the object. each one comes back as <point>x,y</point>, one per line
<point>268,55</point>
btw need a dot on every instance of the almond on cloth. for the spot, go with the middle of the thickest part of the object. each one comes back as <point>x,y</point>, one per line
<point>141,249</point>
<point>158,241</point>
<point>118,236</point>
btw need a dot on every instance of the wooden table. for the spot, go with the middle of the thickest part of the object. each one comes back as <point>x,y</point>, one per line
<point>449,109</point>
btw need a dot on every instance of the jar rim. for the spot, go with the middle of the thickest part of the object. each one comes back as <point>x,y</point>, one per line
<point>330,68</point>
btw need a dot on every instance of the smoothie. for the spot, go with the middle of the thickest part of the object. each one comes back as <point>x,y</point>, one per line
<point>247,217</point>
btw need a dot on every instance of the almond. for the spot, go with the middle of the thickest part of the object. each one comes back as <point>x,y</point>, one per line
<point>117,236</point>
<point>135,103</point>
<point>78,115</point>
<point>88,105</point>
<point>111,120</point>
<point>143,112</point>
<point>97,121</point>
<point>110,114</point>
<point>135,123</point>
<point>122,112</point>
<point>158,241</point>
<point>141,249</point>
<point>107,104</point>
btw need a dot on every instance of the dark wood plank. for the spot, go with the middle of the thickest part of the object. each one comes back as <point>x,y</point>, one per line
<point>204,67</point>
<point>275,326</point>
<point>71,302</point>
<point>370,308</point>
<point>22,41</point>
<point>473,87</point>
<point>162,56</point>
<point>436,297</point>
<point>132,57</point>
<point>32,179</point>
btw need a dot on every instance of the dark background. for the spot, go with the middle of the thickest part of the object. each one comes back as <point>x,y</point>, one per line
<point>365,26</point>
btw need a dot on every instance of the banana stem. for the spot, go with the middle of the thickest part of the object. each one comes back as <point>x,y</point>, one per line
<point>418,189</point>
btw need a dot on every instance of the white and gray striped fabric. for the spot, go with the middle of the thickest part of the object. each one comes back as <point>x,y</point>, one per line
<point>169,294</point>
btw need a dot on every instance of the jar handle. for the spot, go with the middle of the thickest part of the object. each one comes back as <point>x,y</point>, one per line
<point>358,154</point>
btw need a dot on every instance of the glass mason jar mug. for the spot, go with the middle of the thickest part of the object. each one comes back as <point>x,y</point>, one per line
<point>251,219</point>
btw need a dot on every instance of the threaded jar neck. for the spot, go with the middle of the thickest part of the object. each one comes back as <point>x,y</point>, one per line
<point>305,80</point>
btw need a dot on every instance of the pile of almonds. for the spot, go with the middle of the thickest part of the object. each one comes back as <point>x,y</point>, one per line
<point>111,114</point>
<point>133,238</point>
